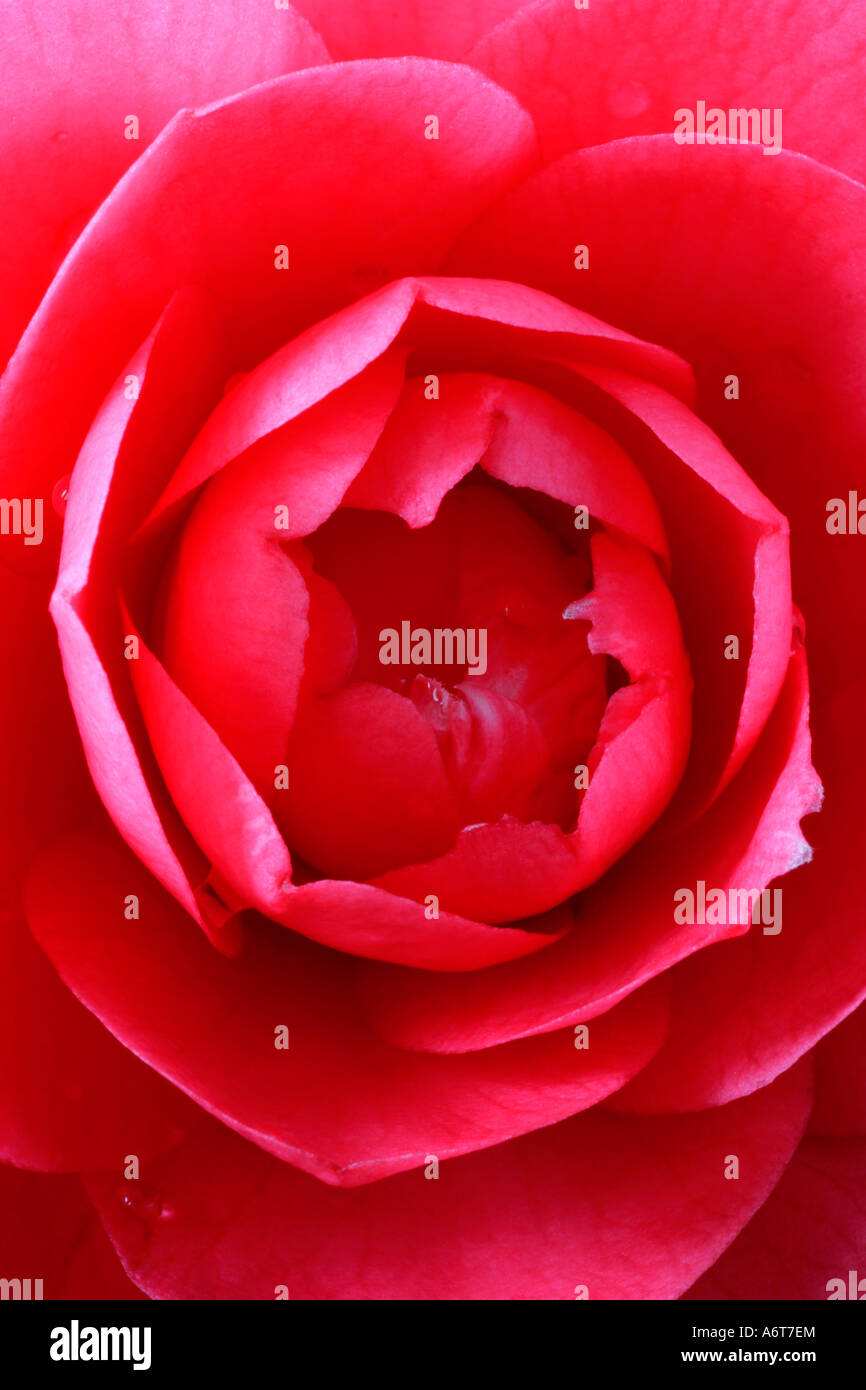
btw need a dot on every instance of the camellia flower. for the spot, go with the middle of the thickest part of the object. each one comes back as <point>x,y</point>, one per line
<point>426,436</point>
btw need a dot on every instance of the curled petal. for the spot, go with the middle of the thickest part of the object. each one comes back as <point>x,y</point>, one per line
<point>140,428</point>
<point>236,619</point>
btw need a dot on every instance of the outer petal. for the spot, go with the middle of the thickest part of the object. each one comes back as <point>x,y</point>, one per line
<point>812,1230</point>
<point>840,1078</point>
<point>406,199</point>
<point>787,322</point>
<point>622,1208</point>
<point>70,1096</point>
<point>599,74</point>
<point>44,783</point>
<point>379,28</point>
<point>73,76</point>
<point>747,1009</point>
<point>50,1231</point>
<point>337,1102</point>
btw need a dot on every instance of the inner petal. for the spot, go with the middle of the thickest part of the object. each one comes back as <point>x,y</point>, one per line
<point>464,618</point>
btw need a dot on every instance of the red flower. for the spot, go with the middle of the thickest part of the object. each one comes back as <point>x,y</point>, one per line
<point>416,456</point>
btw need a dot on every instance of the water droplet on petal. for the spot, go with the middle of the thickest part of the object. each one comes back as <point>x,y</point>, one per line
<point>143,1201</point>
<point>60,495</point>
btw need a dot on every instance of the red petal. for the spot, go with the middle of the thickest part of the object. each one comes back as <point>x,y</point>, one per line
<point>540,443</point>
<point>504,871</point>
<point>427,447</point>
<point>606,73</point>
<point>179,370</point>
<point>789,325</point>
<point>337,1102</point>
<point>621,1208</point>
<point>379,27</point>
<point>44,785</point>
<point>518,434</point>
<point>811,1230</point>
<point>472,318</point>
<point>840,1078</point>
<point>71,79</point>
<point>747,1009</point>
<point>50,1231</point>
<point>496,872</point>
<point>70,1096</point>
<point>216,799</point>
<point>624,927</point>
<point>396,213</point>
<point>236,621</point>
<point>513,318</point>
<point>749,595</point>
<point>368,787</point>
<point>367,921</point>
<point>303,373</point>
<point>252,867</point>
